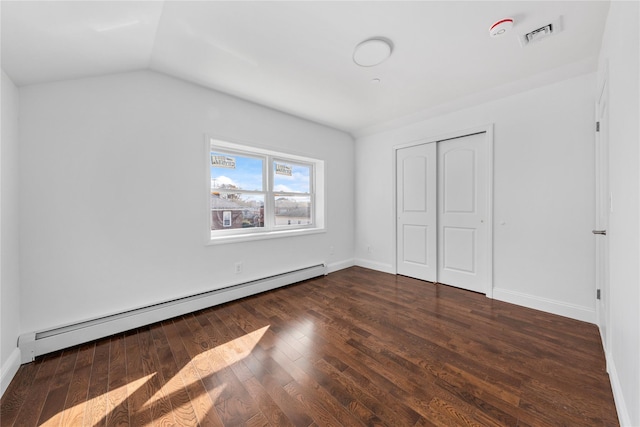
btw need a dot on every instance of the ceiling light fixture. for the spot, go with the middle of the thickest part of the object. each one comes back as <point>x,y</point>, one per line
<point>372,52</point>
<point>501,27</point>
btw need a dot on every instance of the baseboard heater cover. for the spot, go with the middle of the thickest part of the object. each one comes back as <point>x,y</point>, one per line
<point>34,344</point>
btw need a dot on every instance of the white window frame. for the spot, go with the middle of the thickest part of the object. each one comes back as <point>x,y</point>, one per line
<point>270,230</point>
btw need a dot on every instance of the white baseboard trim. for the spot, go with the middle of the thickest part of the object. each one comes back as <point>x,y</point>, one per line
<point>9,369</point>
<point>341,265</point>
<point>623,414</point>
<point>385,268</point>
<point>560,308</point>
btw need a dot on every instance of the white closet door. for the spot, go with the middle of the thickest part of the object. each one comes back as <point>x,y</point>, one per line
<point>416,174</point>
<point>462,210</point>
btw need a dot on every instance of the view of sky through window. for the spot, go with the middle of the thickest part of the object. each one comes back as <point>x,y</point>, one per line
<point>296,182</point>
<point>244,173</point>
<point>232,171</point>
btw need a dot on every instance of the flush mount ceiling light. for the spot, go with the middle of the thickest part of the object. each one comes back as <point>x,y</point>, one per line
<point>372,52</point>
<point>501,27</point>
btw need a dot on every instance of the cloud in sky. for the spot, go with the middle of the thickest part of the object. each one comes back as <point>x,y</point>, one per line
<point>221,180</point>
<point>283,188</point>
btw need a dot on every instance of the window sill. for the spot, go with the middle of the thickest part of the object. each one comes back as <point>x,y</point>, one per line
<point>238,238</point>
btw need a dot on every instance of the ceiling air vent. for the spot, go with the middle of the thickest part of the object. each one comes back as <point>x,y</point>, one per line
<point>542,32</point>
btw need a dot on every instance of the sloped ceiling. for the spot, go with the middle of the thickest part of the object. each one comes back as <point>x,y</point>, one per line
<point>297,56</point>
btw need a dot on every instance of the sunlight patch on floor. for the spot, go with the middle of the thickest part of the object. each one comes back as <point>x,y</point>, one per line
<point>76,414</point>
<point>202,366</point>
<point>206,364</point>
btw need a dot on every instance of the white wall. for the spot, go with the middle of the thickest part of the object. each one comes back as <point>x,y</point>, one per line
<point>9,241</point>
<point>113,194</point>
<point>543,193</point>
<point>620,50</point>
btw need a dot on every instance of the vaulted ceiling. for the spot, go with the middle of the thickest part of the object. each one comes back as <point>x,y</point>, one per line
<point>297,57</point>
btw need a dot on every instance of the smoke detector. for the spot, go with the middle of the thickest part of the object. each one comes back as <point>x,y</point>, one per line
<point>501,27</point>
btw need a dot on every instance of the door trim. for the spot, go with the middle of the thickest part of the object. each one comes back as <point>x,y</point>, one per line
<point>488,131</point>
<point>602,319</point>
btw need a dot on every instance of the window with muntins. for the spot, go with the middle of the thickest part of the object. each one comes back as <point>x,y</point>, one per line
<point>258,193</point>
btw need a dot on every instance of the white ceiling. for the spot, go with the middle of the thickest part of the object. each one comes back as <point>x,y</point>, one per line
<point>297,56</point>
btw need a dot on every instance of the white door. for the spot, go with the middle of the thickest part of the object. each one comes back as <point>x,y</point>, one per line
<point>603,207</point>
<point>462,212</point>
<point>416,211</point>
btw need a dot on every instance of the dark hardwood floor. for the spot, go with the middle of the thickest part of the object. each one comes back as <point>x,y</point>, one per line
<point>356,347</point>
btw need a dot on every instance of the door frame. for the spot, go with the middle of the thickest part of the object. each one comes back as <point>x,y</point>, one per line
<point>602,318</point>
<point>488,131</point>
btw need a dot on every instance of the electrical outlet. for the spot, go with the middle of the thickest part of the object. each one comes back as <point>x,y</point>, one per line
<point>331,250</point>
<point>370,249</point>
<point>238,266</point>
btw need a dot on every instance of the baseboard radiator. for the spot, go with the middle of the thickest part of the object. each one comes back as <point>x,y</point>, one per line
<point>34,344</point>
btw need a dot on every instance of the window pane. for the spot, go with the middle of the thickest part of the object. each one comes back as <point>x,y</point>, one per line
<point>291,178</point>
<point>292,210</point>
<point>236,210</point>
<point>232,171</point>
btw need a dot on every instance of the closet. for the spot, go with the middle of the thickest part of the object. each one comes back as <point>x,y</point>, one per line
<point>444,209</point>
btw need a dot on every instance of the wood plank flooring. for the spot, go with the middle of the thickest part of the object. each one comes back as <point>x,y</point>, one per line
<point>353,348</point>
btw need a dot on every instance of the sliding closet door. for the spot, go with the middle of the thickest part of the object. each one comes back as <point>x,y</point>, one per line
<point>462,212</point>
<point>416,187</point>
